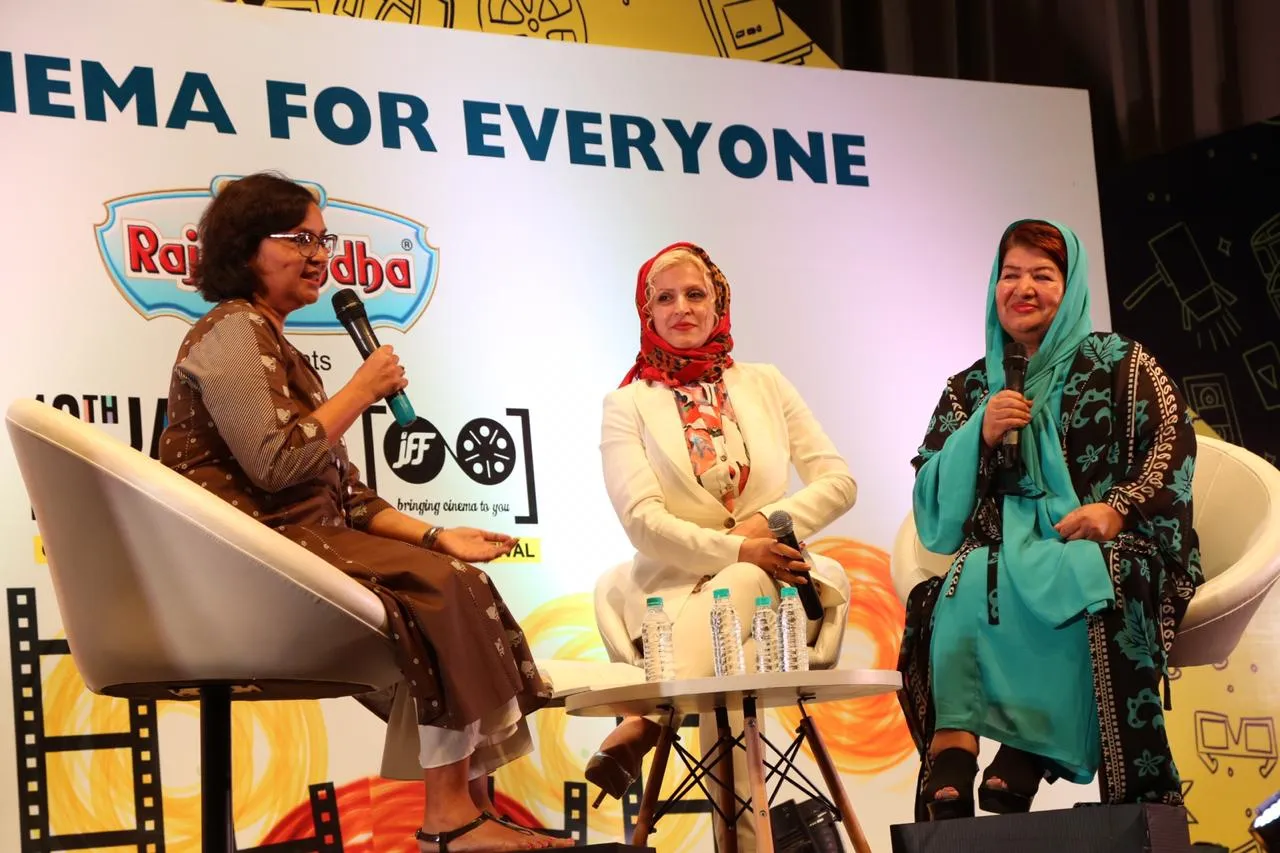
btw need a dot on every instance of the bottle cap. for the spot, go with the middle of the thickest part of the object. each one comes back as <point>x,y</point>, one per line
<point>763,601</point>
<point>788,592</point>
<point>653,601</point>
<point>719,594</point>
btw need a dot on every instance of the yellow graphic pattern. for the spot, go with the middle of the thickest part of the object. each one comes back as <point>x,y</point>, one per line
<point>528,550</point>
<point>278,749</point>
<point>1223,732</point>
<point>736,29</point>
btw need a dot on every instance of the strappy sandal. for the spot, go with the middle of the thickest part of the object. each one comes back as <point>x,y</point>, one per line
<point>533,830</point>
<point>1020,772</point>
<point>442,839</point>
<point>951,768</point>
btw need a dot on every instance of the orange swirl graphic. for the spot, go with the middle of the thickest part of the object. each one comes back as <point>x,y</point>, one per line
<point>865,736</point>
<point>92,790</point>
<point>565,629</point>
<point>377,815</point>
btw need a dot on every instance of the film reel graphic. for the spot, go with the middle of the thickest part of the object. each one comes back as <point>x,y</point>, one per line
<point>485,451</point>
<point>554,20</point>
<point>35,746</point>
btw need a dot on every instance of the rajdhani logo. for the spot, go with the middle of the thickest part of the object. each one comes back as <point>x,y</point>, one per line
<point>150,247</point>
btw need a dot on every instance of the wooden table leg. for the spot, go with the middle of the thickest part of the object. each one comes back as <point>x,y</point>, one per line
<point>834,785</point>
<point>755,774</point>
<point>653,784</point>
<point>724,792</point>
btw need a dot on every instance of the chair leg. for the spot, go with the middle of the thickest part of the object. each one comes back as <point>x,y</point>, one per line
<point>831,775</point>
<point>217,826</point>
<point>653,783</point>
<point>755,775</point>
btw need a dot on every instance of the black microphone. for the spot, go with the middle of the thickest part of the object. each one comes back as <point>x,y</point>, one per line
<point>351,313</point>
<point>784,531</point>
<point>1015,376</point>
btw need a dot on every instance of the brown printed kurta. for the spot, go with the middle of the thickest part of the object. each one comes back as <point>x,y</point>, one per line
<point>241,424</point>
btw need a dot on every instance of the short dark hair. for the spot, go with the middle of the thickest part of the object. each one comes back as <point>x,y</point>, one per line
<point>1039,237</point>
<point>240,216</point>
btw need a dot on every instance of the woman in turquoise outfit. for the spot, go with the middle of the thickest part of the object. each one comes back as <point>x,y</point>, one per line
<point>1074,563</point>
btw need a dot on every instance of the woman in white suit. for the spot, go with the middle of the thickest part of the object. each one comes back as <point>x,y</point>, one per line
<point>697,452</point>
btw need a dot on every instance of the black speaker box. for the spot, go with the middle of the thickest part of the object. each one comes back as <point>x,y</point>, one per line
<point>1084,829</point>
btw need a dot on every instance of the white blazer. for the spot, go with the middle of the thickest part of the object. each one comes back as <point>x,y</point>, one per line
<point>678,529</point>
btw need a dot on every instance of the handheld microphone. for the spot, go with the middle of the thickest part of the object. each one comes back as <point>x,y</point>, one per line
<point>783,530</point>
<point>355,319</point>
<point>1015,376</point>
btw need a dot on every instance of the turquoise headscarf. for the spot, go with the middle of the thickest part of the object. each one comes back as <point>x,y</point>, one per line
<point>1048,368</point>
<point>1057,579</point>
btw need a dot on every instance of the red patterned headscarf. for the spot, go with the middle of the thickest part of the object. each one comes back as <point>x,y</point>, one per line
<point>658,360</point>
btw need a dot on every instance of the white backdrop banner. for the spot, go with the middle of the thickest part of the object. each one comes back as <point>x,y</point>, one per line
<point>494,198</point>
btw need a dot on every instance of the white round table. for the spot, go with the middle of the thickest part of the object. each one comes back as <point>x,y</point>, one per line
<point>746,693</point>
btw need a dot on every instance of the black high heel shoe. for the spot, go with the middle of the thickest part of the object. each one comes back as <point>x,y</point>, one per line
<point>952,768</point>
<point>612,774</point>
<point>615,768</point>
<point>1020,772</point>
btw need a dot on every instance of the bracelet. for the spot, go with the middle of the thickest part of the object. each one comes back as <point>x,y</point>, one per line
<point>429,538</point>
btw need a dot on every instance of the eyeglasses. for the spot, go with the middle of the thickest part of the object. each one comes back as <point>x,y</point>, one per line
<point>308,244</point>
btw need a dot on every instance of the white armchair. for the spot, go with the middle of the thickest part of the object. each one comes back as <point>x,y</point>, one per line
<point>168,592</point>
<point>824,651</point>
<point>1236,507</point>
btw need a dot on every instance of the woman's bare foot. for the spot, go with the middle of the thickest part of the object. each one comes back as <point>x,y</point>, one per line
<point>945,739</point>
<point>491,836</point>
<point>478,788</point>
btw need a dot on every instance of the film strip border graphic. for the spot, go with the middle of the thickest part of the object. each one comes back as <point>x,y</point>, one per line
<point>34,746</point>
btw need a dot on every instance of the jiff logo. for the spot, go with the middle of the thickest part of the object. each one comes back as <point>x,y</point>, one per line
<point>413,448</point>
<point>420,454</point>
<point>150,247</point>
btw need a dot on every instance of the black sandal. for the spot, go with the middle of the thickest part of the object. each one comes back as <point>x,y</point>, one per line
<point>951,768</point>
<point>442,839</point>
<point>1021,773</point>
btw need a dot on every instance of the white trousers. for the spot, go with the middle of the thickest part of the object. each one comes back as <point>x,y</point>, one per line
<point>492,741</point>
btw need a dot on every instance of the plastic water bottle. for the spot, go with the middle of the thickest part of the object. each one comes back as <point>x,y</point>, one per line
<point>726,636</point>
<point>764,627</point>
<point>793,626</point>
<point>655,637</point>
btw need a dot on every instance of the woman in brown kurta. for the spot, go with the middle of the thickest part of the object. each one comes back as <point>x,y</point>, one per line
<point>250,421</point>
